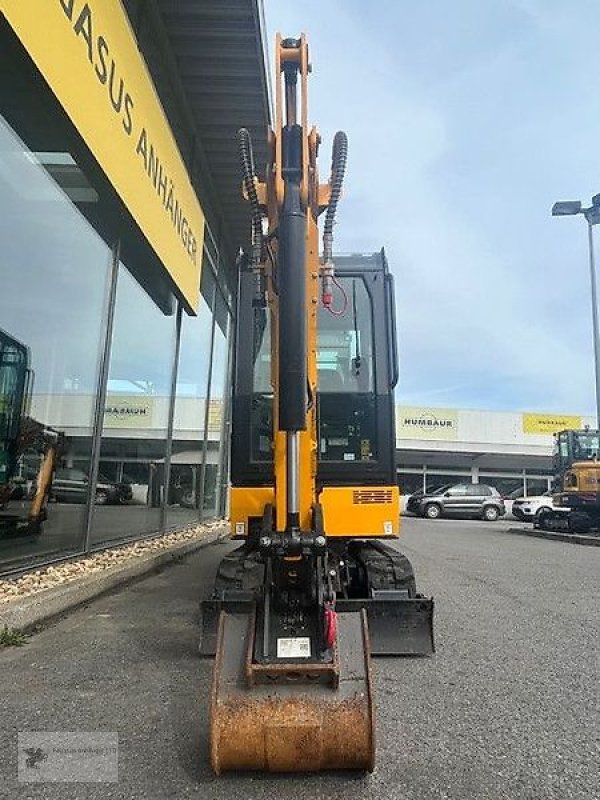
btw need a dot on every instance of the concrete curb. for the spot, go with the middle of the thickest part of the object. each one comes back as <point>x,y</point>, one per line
<point>41,607</point>
<point>574,538</point>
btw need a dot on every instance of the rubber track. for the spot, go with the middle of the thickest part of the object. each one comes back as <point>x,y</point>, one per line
<point>241,570</point>
<point>382,565</point>
<point>574,522</point>
<point>385,567</point>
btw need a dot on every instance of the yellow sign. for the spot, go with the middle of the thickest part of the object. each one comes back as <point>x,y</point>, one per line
<point>88,54</point>
<point>128,411</point>
<point>426,423</point>
<point>549,423</point>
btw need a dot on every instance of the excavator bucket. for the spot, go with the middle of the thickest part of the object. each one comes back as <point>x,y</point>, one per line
<point>291,717</point>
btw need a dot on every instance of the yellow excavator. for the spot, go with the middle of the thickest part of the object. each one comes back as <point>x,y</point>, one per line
<point>576,485</point>
<point>317,586</point>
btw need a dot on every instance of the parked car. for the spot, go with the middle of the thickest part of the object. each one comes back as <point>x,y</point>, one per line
<point>465,500</point>
<point>71,486</point>
<point>528,508</point>
<point>413,500</point>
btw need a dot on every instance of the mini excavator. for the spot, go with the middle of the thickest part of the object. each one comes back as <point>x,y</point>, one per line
<point>316,588</point>
<point>576,484</point>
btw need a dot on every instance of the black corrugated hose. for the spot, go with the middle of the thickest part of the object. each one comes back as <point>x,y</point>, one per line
<point>339,156</point>
<point>249,176</point>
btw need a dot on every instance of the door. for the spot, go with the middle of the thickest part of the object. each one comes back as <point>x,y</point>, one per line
<point>456,500</point>
<point>476,496</point>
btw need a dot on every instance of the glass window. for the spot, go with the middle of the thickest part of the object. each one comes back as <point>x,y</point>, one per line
<point>55,271</point>
<point>347,408</point>
<point>410,482</point>
<point>217,441</point>
<point>190,409</point>
<point>261,423</point>
<point>447,480</point>
<point>262,351</point>
<point>135,416</point>
<point>510,487</point>
<point>345,349</point>
<point>536,486</point>
<point>440,489</point>
<point>478,490</point>
<point>586,446</point>
<point>458,491</point>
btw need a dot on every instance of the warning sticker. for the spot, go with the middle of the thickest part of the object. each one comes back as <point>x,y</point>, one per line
<point>298,647</point>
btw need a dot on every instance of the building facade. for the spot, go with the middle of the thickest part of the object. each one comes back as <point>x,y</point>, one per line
<point>512,451</point>
<point>121,220</point>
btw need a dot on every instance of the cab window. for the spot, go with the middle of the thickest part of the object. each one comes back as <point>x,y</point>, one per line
<point>345,342</point>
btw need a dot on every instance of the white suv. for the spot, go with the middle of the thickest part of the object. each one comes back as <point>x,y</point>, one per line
<point>527,508</point>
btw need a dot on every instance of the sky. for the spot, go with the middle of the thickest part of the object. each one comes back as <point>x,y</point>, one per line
<point>466,121</point>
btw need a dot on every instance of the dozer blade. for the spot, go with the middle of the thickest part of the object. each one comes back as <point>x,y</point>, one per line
<point>292,717</point>
<point>397,626</point>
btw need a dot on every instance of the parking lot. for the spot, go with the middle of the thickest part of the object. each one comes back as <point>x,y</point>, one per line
<point>507,708</point>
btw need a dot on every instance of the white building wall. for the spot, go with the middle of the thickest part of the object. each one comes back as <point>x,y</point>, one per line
<point>456,430</point>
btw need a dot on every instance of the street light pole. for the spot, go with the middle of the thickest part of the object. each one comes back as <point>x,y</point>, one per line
<point>594,315</point>
<point>592,217</point>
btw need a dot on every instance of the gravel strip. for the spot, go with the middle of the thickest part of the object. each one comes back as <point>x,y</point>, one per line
<point>31,583</point>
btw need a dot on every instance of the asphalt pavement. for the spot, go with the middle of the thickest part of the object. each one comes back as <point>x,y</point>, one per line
<point>507,708</point>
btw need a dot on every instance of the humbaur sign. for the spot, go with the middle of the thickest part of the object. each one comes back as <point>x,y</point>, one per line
<point>127,411</point>
<point>426,423</point>
<point>549,423</point>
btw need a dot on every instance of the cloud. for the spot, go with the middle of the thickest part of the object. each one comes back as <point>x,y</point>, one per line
<point>464,128</point>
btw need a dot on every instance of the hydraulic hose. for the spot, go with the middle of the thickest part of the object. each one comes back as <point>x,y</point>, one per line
<point>249,178</point>
<point>339,156</point>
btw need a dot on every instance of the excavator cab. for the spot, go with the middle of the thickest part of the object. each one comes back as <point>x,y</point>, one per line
<point>357,371</point>
<point>14,378</point>
<point>19,432</point>
<point>571,446</point>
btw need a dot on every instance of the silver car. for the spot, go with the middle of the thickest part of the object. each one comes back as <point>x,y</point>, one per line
<point>464,500</point>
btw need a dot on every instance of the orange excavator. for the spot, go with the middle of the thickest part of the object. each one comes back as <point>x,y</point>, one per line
<point>317,585</point>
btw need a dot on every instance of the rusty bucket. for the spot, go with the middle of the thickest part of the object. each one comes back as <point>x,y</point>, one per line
<point>291,717</point>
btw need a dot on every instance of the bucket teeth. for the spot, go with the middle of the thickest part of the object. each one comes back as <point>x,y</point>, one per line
<point>293,722</point>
